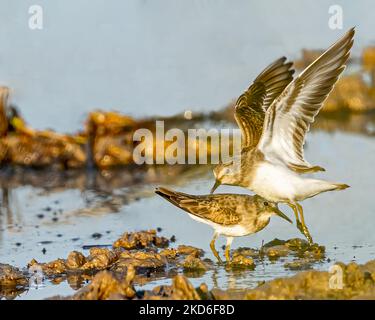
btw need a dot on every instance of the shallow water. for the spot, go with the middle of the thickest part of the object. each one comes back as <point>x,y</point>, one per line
<point>88,203</point>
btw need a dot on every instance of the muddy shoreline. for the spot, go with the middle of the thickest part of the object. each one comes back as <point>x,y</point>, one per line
<point>136,258</point>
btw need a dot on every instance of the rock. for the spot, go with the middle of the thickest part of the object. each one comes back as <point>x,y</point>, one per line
<point>170,254</point>
<point>315,251</point>
<point>11,276</point>
<point>219,294</point>
<point>99,259</point>
<point>274,242</point>
<point>109,136</point>
<point>54,267</point>
<point>204,292</point>
<point>159,292</point>
<point>142,262</point>
<point>277,251</point>
<point>241,262</point>
<point>11,292</point>
<point>247,252</point>
<point>297,244</point>
<point>75,260</point>
<point>192,263</point>
<point>299,264</point>
<point>357,282</point>
<point>139,240</point>
<point>189,250</point>
<point>105,285</point>
<point>182,289</point>
<point>24,146</point>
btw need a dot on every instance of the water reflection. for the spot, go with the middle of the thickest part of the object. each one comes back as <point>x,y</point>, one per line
<point>103,191</point>
<point>10,215</point>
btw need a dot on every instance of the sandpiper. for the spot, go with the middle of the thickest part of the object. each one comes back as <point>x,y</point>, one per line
<point>272,159</point>
<point>231,215</point>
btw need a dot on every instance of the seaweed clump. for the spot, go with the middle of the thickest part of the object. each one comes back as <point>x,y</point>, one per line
<point>353,281</point>
<point>12,281</point>
<point>144,252</point>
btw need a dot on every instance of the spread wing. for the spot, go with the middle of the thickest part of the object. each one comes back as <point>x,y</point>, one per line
<point>219,209</point>
<point>289,117</point>
<point>252,104</point>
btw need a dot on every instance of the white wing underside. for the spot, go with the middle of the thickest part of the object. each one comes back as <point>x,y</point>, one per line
<point>289,117</point>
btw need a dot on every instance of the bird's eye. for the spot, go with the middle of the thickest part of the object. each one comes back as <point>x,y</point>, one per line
<point>265,203</point>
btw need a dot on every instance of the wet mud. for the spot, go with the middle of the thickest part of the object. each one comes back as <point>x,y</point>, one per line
<point>136,258</point>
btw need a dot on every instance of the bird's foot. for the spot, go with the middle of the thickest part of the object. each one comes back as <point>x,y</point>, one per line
<point>300,227</point>
<point>303,229</point>
<point>308,236</point>
<point>219,260</point>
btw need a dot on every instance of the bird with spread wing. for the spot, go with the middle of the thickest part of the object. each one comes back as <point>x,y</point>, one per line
<point>274,115</point>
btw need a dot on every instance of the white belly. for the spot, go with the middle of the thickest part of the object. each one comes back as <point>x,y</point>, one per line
<point>229,231</point>
<point>275,183</point>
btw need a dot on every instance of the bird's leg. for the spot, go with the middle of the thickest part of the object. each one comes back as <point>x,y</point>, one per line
<point>298,222</point>
<point>304,228</point>
<point>227,249</point>
<point>213,249</point>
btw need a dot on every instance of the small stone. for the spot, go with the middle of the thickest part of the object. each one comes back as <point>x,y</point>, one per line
<point>274,242</point>
<point>96,235</point>
<point>190,250</point>
<point>192,263</point>
<point>277,251</point>
<point>242,262</point>
<point>11,276</point>
<point>169,253</point>
<point>299,264</point>
<point>75,260</point>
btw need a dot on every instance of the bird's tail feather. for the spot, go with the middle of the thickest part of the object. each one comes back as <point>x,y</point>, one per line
<point>173,196</point>
<point>315,187</point>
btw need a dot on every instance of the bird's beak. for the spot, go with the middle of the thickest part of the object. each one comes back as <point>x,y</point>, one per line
<point>217,183</point>
<point>282,215</point>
